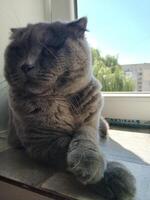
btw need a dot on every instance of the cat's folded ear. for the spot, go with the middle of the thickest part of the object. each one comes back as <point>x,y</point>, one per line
<point>78,27</point>
<point>16,32</point>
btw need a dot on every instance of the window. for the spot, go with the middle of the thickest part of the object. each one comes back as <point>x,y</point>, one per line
<point>119,37</point>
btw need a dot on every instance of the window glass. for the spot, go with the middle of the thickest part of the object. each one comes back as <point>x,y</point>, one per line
<point>119,35</point>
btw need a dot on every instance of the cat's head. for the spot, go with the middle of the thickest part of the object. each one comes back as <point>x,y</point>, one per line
<point>47,56</point>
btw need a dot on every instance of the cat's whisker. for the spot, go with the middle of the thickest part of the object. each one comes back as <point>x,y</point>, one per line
<point>51,53</point>
<point>60,68</point>
<point>74,108</point>
<point>76,105</point>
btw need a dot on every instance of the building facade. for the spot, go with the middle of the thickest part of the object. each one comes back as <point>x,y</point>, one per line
<point>140,73</point>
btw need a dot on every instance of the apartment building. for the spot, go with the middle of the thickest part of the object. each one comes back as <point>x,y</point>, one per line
<point>140,73</point>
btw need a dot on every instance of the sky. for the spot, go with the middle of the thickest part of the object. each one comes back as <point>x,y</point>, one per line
<point>119,27</point>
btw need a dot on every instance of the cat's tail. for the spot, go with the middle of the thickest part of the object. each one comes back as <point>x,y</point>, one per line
<point>103,128</point>
<point>117,184</point>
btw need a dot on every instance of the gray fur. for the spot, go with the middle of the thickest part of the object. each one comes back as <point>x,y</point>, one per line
<point>55,102</point>
<point>117,184</point>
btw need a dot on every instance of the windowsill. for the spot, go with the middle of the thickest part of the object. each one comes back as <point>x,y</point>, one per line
<point>131,106</point>
<point>17,169</point>
<point>126,94</point>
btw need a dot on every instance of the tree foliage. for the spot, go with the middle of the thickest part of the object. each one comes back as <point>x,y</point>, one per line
<point>110,74</point>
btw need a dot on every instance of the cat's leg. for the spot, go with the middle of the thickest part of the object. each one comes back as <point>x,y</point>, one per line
<point>103,128</point>
<point>85,159</point>
<point>47,146</point>
<point>111,180</point>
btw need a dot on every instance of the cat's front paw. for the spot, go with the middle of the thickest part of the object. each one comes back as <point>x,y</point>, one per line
<point>86,164</point>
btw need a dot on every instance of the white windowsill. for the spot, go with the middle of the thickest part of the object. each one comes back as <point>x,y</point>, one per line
<point>133,106</point>
<point>126,94</point>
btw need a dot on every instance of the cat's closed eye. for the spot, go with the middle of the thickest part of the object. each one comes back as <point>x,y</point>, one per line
<point>48,52</point>
<point>45,51</point>
<point>17,51</point>
<point>55,44</point>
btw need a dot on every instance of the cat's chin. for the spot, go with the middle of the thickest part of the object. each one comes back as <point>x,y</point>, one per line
<point>38,91</point>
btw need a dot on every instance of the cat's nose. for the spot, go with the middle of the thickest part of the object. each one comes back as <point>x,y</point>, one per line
<point>26,68</point>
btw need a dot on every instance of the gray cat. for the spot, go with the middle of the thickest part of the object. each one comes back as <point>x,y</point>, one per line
<point>55,105</point>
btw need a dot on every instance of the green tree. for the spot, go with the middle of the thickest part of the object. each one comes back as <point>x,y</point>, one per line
<point>110,74</point>
<point>110,61</point>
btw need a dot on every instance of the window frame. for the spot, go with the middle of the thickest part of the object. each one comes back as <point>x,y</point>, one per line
<point>64,10</point>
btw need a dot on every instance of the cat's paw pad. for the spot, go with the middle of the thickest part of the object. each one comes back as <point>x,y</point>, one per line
<point>87,166</point>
